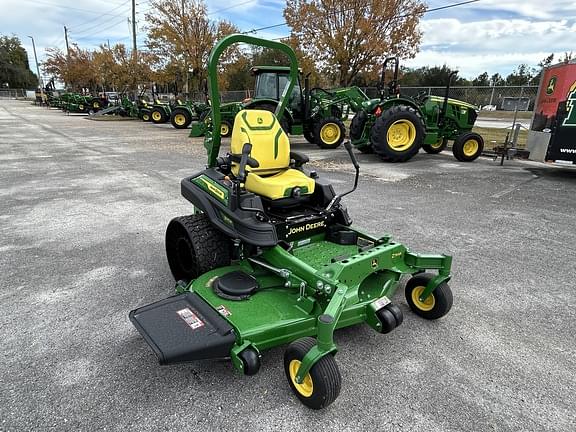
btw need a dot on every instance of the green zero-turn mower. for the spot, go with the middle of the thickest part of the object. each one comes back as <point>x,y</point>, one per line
<point>269,257</point>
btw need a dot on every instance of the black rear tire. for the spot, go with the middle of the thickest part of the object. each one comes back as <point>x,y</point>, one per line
<point>406,120</point>
<point>468,147</point>
<point>324,375</point>
<point>194,246</point>
<point>329,133</point>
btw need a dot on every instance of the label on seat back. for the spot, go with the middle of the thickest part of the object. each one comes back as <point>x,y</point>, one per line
<point>190,318</point>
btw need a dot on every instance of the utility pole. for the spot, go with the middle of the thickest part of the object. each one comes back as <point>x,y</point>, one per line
<point>66,38</point>
<point>185,51</point>
<point>40,83</point>
<point>134,49</point>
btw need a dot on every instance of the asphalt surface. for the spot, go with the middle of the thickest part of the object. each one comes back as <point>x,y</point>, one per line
<point>83,209</point>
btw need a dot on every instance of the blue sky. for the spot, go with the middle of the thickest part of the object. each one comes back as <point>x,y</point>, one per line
<point>490,35</point>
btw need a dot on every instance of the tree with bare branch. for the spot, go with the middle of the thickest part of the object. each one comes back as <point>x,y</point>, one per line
<point>347,37</point>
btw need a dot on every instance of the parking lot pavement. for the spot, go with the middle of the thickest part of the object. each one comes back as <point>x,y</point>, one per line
<point>83,209</point>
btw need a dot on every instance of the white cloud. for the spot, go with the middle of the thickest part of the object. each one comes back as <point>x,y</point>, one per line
<point>496,45</point>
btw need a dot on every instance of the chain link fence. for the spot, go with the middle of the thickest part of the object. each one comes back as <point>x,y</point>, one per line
<point>491,98</point>
<point>12,93</point>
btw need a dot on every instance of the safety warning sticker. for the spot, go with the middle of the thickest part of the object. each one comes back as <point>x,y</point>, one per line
<point>190,318</point>
<point>380,303</point>
<point>223,311</point>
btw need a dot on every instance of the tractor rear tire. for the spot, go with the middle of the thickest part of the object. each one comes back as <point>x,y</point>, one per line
<point>329,133</point>
<point>322,385</point>
<point>398,134</point>
<point>158,116</point>
<point>180,118</point>
<point>468,147</point>
<point>194,246</point>
<point>436,305</point>
<point>436,148</point>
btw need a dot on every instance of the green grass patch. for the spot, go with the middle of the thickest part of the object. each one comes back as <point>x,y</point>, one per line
<point>507,115</point>
<point>496,136</point>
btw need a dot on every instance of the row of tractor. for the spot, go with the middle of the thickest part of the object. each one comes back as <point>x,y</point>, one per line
<point>392,126</point>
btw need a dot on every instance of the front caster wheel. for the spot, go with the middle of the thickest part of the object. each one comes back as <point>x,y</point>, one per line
<point>250,361</point>
<point>322,384</point>
<point>436,305</point>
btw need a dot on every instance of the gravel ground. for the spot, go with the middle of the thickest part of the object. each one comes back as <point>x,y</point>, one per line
<point>83,208</point>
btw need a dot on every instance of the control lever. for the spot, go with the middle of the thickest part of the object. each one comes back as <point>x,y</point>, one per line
<point>336,200</point>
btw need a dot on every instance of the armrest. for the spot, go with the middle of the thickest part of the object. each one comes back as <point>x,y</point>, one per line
<point>299,158</point>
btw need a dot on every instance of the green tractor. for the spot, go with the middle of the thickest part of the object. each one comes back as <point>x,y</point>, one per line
<point>315,113</point>
<point>269,257</point>
<point>84,104</point>
<point>183,114</point>
<point>396,127</point>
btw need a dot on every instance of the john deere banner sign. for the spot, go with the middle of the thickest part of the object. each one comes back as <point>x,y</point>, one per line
<point>555,111</point>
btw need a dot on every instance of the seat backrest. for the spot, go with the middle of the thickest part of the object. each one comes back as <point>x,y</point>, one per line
<point>270,144</point>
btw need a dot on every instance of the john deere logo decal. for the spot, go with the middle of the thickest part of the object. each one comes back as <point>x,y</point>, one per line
<point>570,119</point>
<point>374,263</point>
<point>259,120</point>
<point>551,85</point>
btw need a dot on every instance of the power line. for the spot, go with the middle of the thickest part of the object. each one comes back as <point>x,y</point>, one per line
<point>350,9</point>
<point>100,16</point>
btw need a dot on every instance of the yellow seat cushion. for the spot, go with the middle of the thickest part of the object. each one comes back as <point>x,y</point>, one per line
<point>273,178</point>
<point>279,185</point>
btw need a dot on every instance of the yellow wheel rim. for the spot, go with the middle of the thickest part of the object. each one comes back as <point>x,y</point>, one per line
<point>145,117</point>
<point>426,305</point>
<point>330,133</point>
<point>401,135</point>
<point>307,387</point>
<point>179,119</point>
<point>96,105</point>
<point>81,107</point>
<point>470,148</point>
<point>437,144</point>
<point>156,116</point>
<point>224,129</point>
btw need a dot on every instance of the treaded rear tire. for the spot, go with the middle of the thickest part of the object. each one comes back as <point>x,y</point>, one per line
<point>194,246</point>
<point>325,375</point>
<point>380,130</point>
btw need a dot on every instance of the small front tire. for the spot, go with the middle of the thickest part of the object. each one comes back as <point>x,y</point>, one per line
<point>329,133</point>
<point>437,147</point>
<point>468,147</point>
<point>250,361</point>
<point>436,305</point>
<point>322,384</point>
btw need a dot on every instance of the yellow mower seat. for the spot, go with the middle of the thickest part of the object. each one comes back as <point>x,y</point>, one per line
<point>273,179</point>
